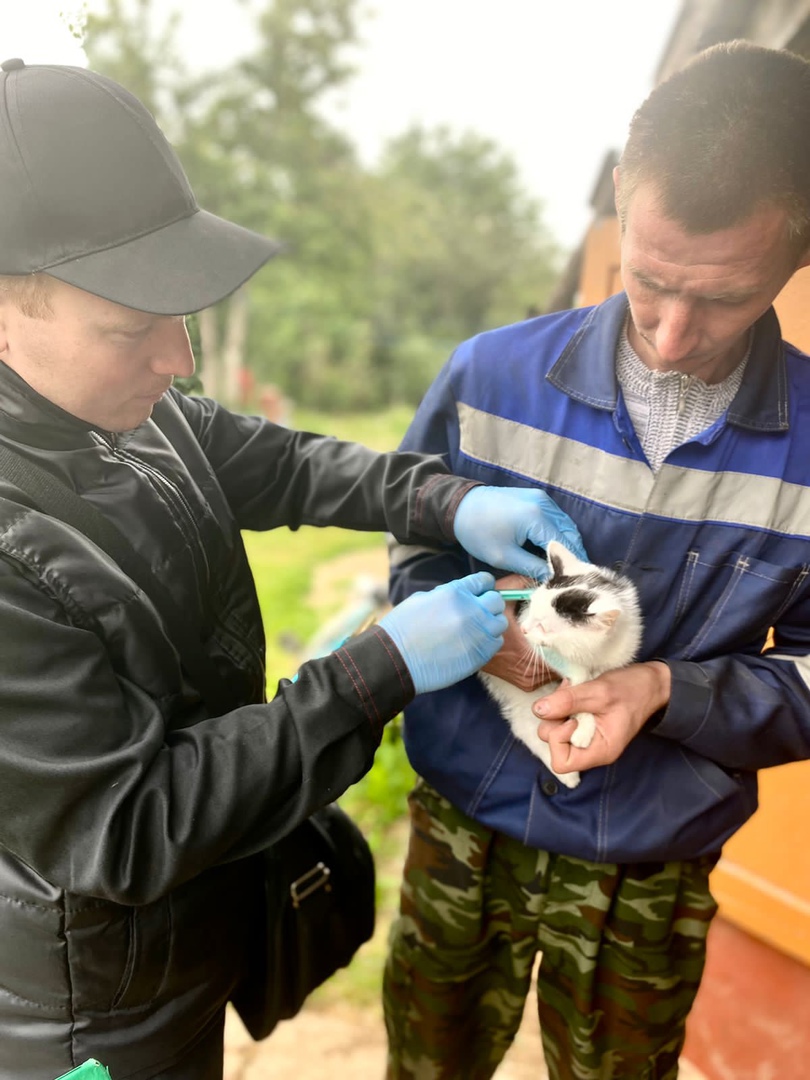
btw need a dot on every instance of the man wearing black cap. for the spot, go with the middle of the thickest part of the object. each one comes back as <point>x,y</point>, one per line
<point>130,810</point>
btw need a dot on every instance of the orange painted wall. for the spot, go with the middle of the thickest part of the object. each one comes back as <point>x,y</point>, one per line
<point>793,308</point>
<point>762,883</point>
<point>599,276</point>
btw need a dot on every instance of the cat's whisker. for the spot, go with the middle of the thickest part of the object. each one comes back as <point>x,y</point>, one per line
<point>533,661</point>
<point>541,656</point>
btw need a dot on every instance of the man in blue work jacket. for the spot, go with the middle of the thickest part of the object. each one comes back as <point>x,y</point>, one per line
<point>671,423</point>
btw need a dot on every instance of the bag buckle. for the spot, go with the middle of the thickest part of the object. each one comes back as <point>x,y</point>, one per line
<point>316,878</point>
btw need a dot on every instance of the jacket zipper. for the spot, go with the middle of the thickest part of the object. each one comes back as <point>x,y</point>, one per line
<point>181,511</point>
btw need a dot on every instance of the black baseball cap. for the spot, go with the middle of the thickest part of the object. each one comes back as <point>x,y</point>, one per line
<point>92,193</point>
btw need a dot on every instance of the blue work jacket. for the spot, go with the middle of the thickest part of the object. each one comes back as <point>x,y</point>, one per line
<point>716,542</point>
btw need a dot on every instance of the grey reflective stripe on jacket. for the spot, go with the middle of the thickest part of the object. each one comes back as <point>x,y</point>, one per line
<point>717,542</point>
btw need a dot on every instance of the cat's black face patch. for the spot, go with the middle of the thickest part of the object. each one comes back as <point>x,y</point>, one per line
<point>573,605</point>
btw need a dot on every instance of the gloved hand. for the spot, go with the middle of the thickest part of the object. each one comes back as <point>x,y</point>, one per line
<point>448,633</point>
<point>492,524</point>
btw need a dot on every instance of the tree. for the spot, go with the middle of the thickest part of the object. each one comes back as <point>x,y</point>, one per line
<point>128,43</point>
<point>460,248</point>
<point>479,238</point>
<point>312,307</point>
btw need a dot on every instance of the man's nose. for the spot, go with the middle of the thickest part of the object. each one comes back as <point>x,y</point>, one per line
<point>172,350</point>
<point>677,333</point>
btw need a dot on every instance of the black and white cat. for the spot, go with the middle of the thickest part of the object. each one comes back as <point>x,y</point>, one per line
<point>584,620</point>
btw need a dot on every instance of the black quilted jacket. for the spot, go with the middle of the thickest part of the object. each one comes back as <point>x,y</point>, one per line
<point>128,817</point>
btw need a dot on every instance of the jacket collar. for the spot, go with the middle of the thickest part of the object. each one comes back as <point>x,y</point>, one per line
<point>586,368</point>
<point>27,417</point>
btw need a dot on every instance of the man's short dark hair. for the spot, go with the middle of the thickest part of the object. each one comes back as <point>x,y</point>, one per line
<point>728,132</point>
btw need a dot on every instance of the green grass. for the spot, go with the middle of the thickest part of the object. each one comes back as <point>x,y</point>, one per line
<point>379,430</point>
<point>284,564</point>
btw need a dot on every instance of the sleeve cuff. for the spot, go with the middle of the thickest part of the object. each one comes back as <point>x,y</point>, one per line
<point>437,503</point>
<point>689,703</point>
<point>372,671</point>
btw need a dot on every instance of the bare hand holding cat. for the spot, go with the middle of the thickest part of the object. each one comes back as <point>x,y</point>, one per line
<point>517,661</point>
<point>622,701</point>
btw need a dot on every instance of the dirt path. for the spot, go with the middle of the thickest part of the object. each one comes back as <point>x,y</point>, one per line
<point>344,1042</point>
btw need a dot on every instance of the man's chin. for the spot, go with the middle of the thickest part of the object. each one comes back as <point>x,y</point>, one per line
<point>131,419</point>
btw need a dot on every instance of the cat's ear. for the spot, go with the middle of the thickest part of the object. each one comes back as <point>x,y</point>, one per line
<point>563,562</point>
<point>605,619</point>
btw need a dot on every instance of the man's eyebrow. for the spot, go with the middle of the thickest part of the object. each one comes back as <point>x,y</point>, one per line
<point>644,278</point>
<point>733,295</point>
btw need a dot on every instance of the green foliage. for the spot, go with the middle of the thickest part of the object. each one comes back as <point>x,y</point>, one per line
<point>476,237</point>
<point>415,360</point>
<point>128,42</point>
<point>378,801</point>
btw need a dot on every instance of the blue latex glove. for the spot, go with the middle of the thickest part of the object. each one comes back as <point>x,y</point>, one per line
<point>492,524</point>
<point>450,632</point>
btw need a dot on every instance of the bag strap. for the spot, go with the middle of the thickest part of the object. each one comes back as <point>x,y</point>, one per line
<point>55,498</point>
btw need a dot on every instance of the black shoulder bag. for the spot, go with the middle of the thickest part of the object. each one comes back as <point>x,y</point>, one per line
<point>319,879</point>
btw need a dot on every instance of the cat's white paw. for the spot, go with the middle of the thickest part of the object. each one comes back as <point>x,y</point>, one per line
<point>585,731</point>
<point>571,779</point>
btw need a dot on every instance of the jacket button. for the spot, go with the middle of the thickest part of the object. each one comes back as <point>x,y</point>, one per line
<point>549,787</point>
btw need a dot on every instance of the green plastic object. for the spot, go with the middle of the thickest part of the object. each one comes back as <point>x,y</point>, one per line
<point>515,594</point>
<point>90,1070</point>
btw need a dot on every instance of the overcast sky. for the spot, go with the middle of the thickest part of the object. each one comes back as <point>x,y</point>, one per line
<point>554,82</point>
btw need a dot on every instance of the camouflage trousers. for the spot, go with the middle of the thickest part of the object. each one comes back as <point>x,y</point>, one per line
<point>623,948</point>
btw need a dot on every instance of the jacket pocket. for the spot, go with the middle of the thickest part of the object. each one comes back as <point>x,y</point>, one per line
<point>118,955</point>
<point>727,602</point>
